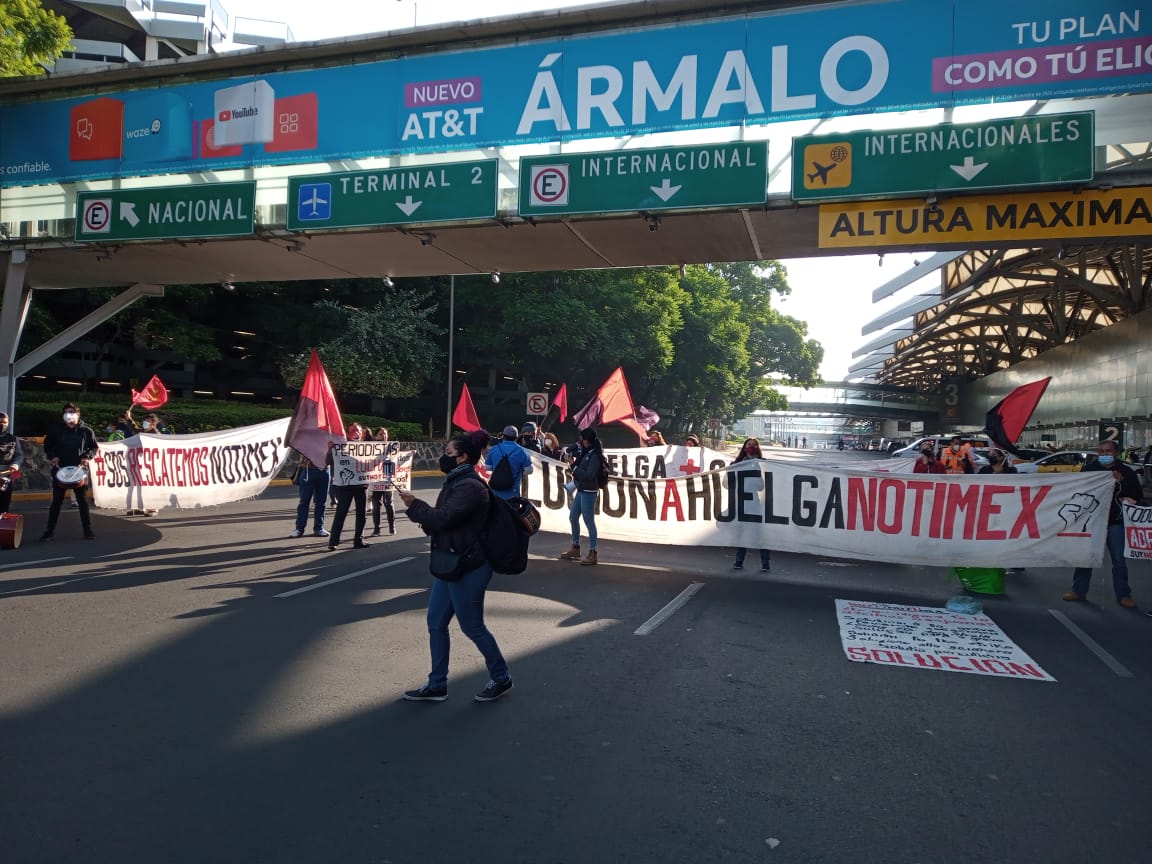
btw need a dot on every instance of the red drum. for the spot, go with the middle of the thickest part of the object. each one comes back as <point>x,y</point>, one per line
<point>71,477</point>
<point>11,530</point>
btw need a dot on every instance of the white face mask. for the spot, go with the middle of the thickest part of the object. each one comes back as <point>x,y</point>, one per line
<point>70,417</point>
<point>147,424</point>
<point>955,447</point>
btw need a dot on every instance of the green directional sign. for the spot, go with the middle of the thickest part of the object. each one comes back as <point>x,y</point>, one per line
<point>166,212</point>
<point>446,192</point>
<point>1015,152</point>
<point>627,181</point>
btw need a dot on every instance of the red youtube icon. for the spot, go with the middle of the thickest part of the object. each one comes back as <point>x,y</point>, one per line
<point>297,124</point>
<point>97,130</point>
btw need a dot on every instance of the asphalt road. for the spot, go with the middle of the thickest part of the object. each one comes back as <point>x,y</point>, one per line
<point>162,701</point>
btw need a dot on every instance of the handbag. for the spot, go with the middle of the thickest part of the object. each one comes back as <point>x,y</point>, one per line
<point>447,565</point>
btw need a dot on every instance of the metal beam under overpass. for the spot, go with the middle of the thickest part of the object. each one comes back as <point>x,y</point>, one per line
<point>914,274</point>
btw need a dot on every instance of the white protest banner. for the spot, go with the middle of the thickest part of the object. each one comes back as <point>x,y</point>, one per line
<point>1022,520</point>
<point>381,465</point>
<point>152,472</point>
<point>921,637</point>
<point>1137,531</point>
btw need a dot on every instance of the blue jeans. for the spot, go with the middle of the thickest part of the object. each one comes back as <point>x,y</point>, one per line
<point>583,504</point>
<point>313,492</point>
<point>765,557</point>
<point>1082,577</point>
<point>465,600</point>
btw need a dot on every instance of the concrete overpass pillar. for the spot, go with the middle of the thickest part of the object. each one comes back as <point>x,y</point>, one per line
<point>13,313</point>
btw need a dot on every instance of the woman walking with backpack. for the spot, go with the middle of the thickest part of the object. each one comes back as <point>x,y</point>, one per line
<point>587,465</point>
<point>461,570</point>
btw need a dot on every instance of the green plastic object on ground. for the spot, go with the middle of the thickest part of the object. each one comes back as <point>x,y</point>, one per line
<point>981,580</point>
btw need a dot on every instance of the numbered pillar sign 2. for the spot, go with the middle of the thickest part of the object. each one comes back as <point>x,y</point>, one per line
<point>1112,430</point>
<point>537,404</point>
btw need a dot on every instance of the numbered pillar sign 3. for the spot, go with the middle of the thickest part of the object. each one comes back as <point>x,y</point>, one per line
<point>537,404</point>
<point>950,389</point>
<point>1112,430</point>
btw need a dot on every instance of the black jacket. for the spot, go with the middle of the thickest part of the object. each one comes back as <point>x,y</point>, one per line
<point>11,453</point>
<point>587,469</point>
<point>988,469</point>
<point>70,444</point>
<point>1127,487</point>
<point>458,518</point>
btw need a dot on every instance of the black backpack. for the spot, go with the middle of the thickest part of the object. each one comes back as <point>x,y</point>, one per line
<point>501,478</point>
<point>507,530</point>
<point>602,472</point>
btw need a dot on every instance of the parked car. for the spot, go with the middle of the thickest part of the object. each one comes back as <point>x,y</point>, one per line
<point>938,441</point>
<point>1067,460</point>
<point>1026,455</point>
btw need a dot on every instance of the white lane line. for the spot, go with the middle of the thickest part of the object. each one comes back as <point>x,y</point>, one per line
<point>1092,645</point>
<point>30,563</point>
<point>669,610</point>
<point>345,577</point>
<point>51,585</point>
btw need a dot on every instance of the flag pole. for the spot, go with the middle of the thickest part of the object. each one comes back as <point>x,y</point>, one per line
<point>451,335</point>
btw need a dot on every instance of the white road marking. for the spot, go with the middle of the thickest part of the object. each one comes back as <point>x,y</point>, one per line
<point>1092,645</point>
<point>30,563</point>
<point>345,577</point>
<point>669,610</point>
<point>51,585</point>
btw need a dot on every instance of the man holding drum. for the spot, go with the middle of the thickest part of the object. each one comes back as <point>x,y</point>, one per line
<point>69,445</point>
<point>11,458</point>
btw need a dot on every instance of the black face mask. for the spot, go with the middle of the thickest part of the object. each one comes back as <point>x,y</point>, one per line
<point>447,463</point>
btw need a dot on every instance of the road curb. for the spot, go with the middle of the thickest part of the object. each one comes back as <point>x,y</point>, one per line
<point>47,496</point>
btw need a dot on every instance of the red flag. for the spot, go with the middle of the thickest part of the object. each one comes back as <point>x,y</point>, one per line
<point>152,396</point>
<point>561,402</point>
<point>611,403</point>
<point>465,414</point>
<point>1007,420</point>
<point>316,420</point>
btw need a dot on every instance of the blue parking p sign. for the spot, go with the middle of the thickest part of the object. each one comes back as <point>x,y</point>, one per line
<point>314,202</point>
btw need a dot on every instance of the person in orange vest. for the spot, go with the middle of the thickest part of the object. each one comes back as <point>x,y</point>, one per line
<point>957,457</point>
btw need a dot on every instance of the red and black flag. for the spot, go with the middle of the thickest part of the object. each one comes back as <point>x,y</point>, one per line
<point>1007,420</point>
<point>316,420</point>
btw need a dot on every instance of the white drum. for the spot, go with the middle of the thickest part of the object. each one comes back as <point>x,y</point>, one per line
<point>71,477</point>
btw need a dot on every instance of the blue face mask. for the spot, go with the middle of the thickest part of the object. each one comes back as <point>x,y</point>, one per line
<point>1105,460</point>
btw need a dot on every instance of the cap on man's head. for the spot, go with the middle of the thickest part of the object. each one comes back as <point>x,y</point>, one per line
<point>692,439</point>
<point>528,428</point>
<point>68,406</point>
<point>510,433</point>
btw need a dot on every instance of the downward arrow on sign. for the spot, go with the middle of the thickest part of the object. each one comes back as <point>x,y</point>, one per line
<point>969,169</point>
<point>666,190</point>
<point>128,213</point>
<point>408,206</point>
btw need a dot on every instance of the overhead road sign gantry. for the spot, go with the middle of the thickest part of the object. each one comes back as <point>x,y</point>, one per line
<point>166,212</point>
<point>445,192</point>
<point>1042,150</point>
<point>626,181</point>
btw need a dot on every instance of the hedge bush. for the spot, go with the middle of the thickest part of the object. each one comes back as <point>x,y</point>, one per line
<point>37,411</point>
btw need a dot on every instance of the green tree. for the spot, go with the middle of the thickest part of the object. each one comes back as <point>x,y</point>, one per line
<point>29,36</point>
<point>385,350</point>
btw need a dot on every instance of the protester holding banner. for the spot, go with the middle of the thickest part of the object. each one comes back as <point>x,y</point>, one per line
<point>382,495</point>
<point>347,494</point>
<point>750,449</point>
<point>69,444</point>
<point>957,457</point>
<point>313,483</point>
<point>460,568</point>
<point>927,463</point>
<point>586,467</point>
<point>551,447</point>
<point>1126,490</point>
<point>998,463</point>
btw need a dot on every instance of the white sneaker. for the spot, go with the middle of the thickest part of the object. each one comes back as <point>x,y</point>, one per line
<point>296,533</point>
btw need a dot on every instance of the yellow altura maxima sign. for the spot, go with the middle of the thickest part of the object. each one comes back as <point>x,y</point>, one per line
<point>1057,215</point>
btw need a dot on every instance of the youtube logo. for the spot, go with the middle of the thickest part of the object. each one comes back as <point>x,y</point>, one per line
<point>297,124</point>
<point>97,130</point>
